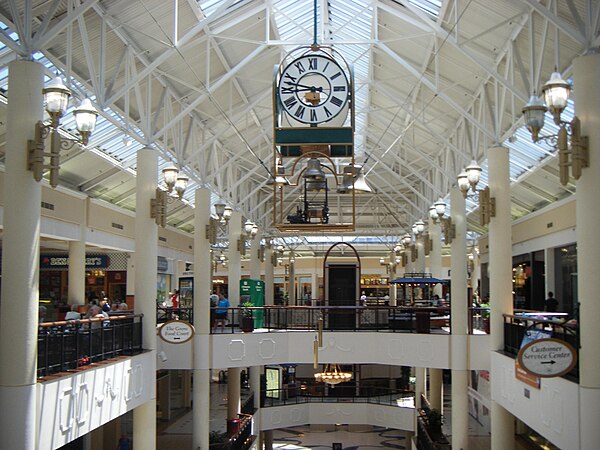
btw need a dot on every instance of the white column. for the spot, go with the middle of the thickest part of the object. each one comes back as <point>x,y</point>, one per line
<point>410,265</point>
<point>314,284</point>
<point>586,72</point>
<point>233,392</point>
<point>146,252</point>
<point>235,271</point>
<point>255,372</point>
<point>550,268</point>
<point>76,293</point>
<point>20,260</point>
<point>269,300</point>
<point>254,259</point>
<point>436,390</point>
<point>459,322</point>
<point>435,256</point>
<point>392,273</point>
<point>292,284</point>
<point>500,267</point>
<point>420,262</point>
<point>419,389</point>
<point>235,262</point>
<point>130,286</point>
<point>202,284</point>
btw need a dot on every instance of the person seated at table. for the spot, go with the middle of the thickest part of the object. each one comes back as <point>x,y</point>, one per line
<point>73,314</point>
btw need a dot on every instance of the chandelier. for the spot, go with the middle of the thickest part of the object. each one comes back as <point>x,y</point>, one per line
<point>332,374</point>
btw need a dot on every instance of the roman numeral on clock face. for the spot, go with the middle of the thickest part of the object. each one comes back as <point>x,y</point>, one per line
<point>339,88</point>
<point>300,112</point>
<point>312,64</point>
<point>313,115</point>
<point>336,101</point>
<point>300,67</point>
<point>289,102</point>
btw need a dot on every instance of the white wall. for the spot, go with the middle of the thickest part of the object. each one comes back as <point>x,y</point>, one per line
<point>223,351</point>
<point>329,413</point>
<point>71,406</point>
<point>552,410</point>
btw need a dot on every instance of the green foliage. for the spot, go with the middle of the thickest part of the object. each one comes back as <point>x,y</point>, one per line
<point>435,419</point>
<point>217,437</point>
<point>246,309</point>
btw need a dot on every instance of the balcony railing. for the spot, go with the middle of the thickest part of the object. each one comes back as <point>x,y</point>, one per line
<point>164,314</point>
<point>515,327</point>
<point>340,394</point>
<point>68,345</point>
<point>355,318</point>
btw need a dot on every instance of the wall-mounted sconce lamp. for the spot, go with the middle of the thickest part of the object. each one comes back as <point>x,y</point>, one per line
<point>158,205</point>
<point>223,214</point>
<point>277,255</point>
<point>56,100</point>
<point>574,154</point>
<point>487,204</point>
<point>438,214</point>
<point>250,230</point>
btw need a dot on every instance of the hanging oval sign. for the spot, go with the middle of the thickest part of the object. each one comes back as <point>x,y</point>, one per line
<point>176,331</point>
<point>547,357</point>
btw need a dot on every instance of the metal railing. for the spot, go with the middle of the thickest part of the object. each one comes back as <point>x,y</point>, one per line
<point>68,345</point>
<point>242,439</point>
<point>515,327</point>
<point>355,318</point>
<point>164,314</point>
<point>338,394</point>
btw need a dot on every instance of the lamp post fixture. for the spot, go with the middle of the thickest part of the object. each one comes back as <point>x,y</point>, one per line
<point>573,154</point>
<point>56,100</point>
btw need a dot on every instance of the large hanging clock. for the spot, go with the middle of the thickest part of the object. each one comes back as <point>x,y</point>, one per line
<point>313,89</point>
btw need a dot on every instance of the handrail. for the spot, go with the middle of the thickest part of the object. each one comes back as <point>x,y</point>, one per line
<point>67,345</point>
<point>516,326</point>
<point>419,319</point>
<point>378,396</point>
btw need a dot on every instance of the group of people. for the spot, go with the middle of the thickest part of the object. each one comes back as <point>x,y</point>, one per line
<point>95,311</point>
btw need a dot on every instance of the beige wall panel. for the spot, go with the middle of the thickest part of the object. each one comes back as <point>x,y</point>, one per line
<point>65,207</point>
<point>110,221</point>
<point>175,240</point>
<point>557,219</point>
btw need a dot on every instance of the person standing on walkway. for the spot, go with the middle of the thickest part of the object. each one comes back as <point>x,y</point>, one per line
<point>221,312</point>
<point>551,303</point>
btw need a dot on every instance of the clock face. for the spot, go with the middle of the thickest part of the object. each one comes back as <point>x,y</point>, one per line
<point>313,89</point>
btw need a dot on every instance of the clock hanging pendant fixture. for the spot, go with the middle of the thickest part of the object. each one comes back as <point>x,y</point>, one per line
<point>313,124</point>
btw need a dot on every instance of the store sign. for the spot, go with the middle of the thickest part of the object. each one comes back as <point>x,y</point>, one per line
<point>162,264</point>
<point>59,262</point>
<point>176,331</point>
<point>527,378</point>
<point>547,357</point>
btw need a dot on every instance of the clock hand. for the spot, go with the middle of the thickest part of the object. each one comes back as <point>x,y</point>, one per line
<point>308,88</point>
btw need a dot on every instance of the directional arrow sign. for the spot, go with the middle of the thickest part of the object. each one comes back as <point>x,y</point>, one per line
<point>547,357</point>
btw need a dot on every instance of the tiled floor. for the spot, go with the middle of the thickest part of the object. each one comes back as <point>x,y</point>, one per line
<point>177,434</point>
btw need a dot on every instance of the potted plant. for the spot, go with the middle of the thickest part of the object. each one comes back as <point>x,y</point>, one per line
<point>247,319</point>
<point>435,420</point>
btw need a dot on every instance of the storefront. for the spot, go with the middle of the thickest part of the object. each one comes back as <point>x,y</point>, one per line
<point>105,276</point>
